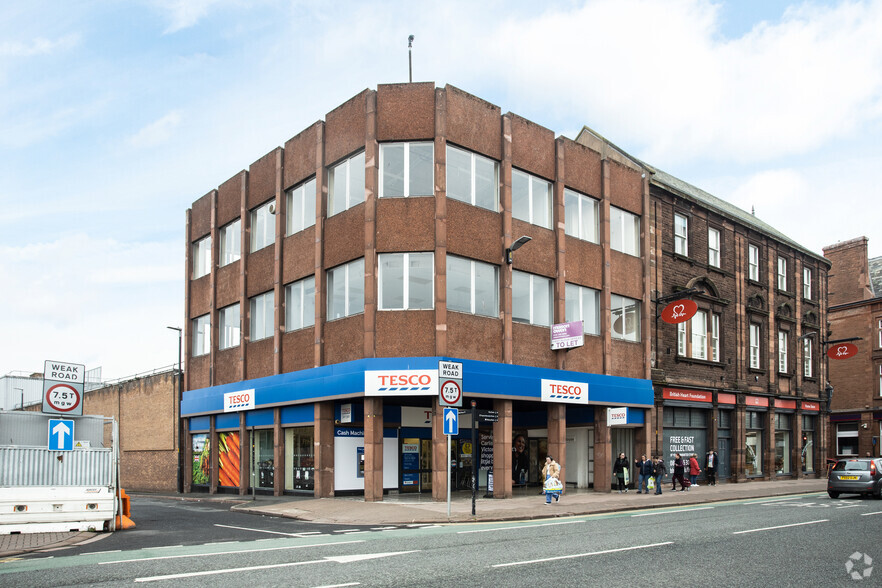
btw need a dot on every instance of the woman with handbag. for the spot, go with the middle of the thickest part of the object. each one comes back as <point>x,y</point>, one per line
<point>553,485</point>
<point>620,470</point>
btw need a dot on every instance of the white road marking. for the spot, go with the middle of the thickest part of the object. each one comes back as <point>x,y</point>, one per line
<point>346,530</point>
<point>102,563</point>
<point>101,552</point>
<point>166,547</point>
<point>652,514</point>
<point>339,585</point>
<point>382,528</point>
<point>532,561</point>
<point>776,500</point>
<point>518,527</point>
<point>258,530</point>
<point>869,514</point>
<point>337,559</point>
<point>781,527</point>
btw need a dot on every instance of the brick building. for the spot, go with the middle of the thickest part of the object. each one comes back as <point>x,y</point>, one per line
<point>856,312</point>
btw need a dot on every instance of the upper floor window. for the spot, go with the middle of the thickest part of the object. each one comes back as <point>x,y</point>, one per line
<point>300,207</point>
<point>753,262</point>
<point>879,332</point>
<point>263,227</point>
<point>782,352</point>
<point>807,283</point>
<point>472,286</point>
<point>625,318</point>
<point>624,231</point>
<point>346,289</point>
<point>262,316</point>
<point>713,247</point>
<point>346,184</point>
<point>229,333</point>
<point>581,216</point>
<point>406,281</point>
<point>782,273</point>
<point>531,299</point>
<point>472,178</point>
<point>699,337</point>
<point>807,357</point>
<point>583,304</point>
<point>847,439</point>
<point>530,199</point>
<point>201,335</point>
<point>880,379</point>
<point>681,235</point>
<point>202,257</point>
<point>300,304</point>
<point>230,242</point>
<point>407,169</point>
<point>754,346</point>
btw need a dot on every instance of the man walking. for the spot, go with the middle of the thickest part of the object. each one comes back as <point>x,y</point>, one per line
<point>659,472</point>
<point>643,467</point>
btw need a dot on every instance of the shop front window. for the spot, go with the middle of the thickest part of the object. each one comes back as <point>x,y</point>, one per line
<point>847,439</point>
<point>299,458</point>
<point>228,459</point>
<point>262,476</point>
<point>782,444</point>
<point>808,444</point>
<point>753,454</point>
<point>201,459</point>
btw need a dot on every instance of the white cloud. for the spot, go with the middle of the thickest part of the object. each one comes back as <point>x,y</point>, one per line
<point>39,46</point>
<point>184,14</point>
<point>157,132</point>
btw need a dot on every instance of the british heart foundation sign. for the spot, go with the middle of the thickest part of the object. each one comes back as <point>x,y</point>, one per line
<point>842,351</point>
<point>679,311</point>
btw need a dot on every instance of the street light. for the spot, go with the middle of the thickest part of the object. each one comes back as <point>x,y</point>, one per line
<point>176,413</point>
<point>515,246</point>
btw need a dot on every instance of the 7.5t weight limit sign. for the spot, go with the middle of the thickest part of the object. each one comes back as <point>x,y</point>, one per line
<point>451,393</point>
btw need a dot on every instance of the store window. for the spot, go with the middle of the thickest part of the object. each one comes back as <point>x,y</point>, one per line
<point>299,458</point>
<point>625,318</point>
<point>808,444</point>
<point>201,335</point>
<point>531,199</point>
<point>699,337</point>
<point>472,178</point>
<point>713,247</point>
<point>346,290</point>
<point>300,304</point>
<point>807,283</point>
<point>753,449</point>
<point>583,304</point>
<point>782,273</point>
<point>230,237</point>
<point>263,227</point>
<point>229,333</point>
<point>472,286</point>
<point>624,231</point>
<point>755,346</point>
<point>229,461</point>
<point>753,263</point>
<point>406,281</point>
<point>847,439</point>
<point>407,169</point>
<point>263,464</point>
<point>782,352</point>
<point>581,214</point>
<point>300,207</point>
<point>201,459</point>
<point>807,370</point>
<point>681,235</point>
<point>531,299</point>
<point>262,316</point>
<point>346,184</point>
<point>782,443</point>
<point>202,257</point>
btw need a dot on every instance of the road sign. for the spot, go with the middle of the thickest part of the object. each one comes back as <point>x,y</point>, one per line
<point>63,387</point>
<point>451,421</point>
<point>61,435</point>
<point>62,398</point>
<point>449,383</point>
<point>490,416</point>
<point>451,393</point>
<point>449,370</point>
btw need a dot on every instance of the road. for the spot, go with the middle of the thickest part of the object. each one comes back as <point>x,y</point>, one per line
<point>808,540</point>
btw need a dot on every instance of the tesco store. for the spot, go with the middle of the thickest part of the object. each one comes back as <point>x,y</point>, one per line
<point>326,430</point>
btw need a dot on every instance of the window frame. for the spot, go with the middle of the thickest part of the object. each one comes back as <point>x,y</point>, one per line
<point>306,319</point>
<point>580,231</point>
<point>623,309</point>
<point>783,351</point>
<point>350,196</point>
<point>261,240</point>
<point>636,222</point>
<point>407,169</point>
<point>807,283</point>
<point>472,273</point>
<point>693,342</point>
<point>681,234</point>
<point>474,159</point>
<point>755,345</point>
<point>201,326</point>
<point>348,291</point>
<point>843,433</point>
<point>263,329</point>
<point>714,254</point>
<point>532,288</point>
<point>306,215</point>
<point>201,257</point>
<point>223,341</point>
<point>807,352</point>
<point>580,293</point>
<point>531,181</point>
<point>753,265</point>
<point>225,235</point>
<point>406,278</point>
<point>782,274</point>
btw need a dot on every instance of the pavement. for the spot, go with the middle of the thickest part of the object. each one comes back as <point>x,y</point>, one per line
<point>400,509</point>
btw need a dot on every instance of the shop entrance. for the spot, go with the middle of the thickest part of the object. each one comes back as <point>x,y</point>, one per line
<point>416,465</point>
<point>622,441</point>
<point>724,450</point>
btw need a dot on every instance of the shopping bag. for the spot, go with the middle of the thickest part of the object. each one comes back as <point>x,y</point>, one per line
<point>650,485</point>
<point>627,479</point>
<point>553,485</point>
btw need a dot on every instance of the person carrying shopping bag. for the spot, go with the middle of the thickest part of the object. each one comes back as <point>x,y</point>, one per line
<point>553,485</point>
<point>659,472</point>
<point>694,470</point>
<point>620,472</point>
<point>643,468</point>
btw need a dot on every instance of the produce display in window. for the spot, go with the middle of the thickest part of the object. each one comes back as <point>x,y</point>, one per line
<point>228,457</point>
<point>201,459</point>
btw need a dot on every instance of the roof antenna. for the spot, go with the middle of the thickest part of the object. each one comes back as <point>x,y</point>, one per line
<point>409,59</point>
<point>753,210</point>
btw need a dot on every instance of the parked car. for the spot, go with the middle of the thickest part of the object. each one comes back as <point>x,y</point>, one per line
<point>859,475</point>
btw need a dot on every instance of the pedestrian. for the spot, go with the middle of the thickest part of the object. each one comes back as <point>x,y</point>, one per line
<point>643,467</point>
<point>711,467</point>
<point>553,485</point>
<point>620,471</point>
<point>694,470</point>
<point>520,461</point>
<point>659,472</point>
<point>678,474</point>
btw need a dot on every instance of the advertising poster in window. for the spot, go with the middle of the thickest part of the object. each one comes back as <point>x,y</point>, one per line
<point>486,462</point>
<point>201,459</point>
<point>228,457</point>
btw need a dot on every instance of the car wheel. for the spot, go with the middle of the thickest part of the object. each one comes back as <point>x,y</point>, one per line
<point>833,494</point>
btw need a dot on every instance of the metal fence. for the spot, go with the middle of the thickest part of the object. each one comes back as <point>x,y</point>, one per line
<point>32,466</point>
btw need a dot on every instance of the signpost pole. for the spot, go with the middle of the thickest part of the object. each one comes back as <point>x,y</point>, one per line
<point>474,458</point>
<point>448,476</point>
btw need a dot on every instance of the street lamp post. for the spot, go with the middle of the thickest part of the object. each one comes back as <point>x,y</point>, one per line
<point>176,412</point>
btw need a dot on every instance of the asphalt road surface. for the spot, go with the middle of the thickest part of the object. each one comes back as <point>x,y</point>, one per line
<point>808,540</point>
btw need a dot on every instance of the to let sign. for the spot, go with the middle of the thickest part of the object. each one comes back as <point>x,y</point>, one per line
<point>63,385</point>
<point>567,335</point>
<point>679,311</point>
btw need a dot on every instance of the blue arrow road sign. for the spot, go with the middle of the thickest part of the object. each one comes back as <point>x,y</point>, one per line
<point>451,421</point>
<point>61,434</point>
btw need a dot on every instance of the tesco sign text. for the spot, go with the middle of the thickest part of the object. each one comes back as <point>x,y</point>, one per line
<point>241,400</point>
<point>562,391</point>
<point>400,382</point>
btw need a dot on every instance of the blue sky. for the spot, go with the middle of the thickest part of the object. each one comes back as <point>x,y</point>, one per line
<point>116,116</point>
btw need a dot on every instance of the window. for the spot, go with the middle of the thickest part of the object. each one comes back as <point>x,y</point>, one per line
<point>472,178</point>
<point>753,262</point>
<point>807,283</point>
<point>531,299</point>
<point>755,346</point>
<point>472,286</point>
<point>406,281</point>
<point>703,340</point>
<point>625,318</point>
<point>407,169</point>
<point>624,231</point>
<point>262,316</point>
<point>847,439</point>
<point>682,345</point>
<point>300,304</point>
<point>879,332</point>
<point>202,257</point>
<point>346,184</point>
<point>263,227</point>
<point>201,335</point>
<point>713,247</point>
<point>300,207</point>
<point>782,443</point>
<point>880,378</point>
<point>753,444</point>
<point>782,352</point>
<point>699,335</point>
<point>346,289</point>
<point>807,357</point>
<point>229,333</point>
<point>583,304</point>
<point>681,235</point>
<point>782,273</point>
<point>715,338</point>
<point>531,199</point>
<point>230,242</point>
<point>581,216</point>
<point>808,443</point>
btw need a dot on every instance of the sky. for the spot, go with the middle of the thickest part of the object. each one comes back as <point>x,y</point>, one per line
<point>116,116</point>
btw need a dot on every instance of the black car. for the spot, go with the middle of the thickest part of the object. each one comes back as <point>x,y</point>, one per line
<point>859,475</point>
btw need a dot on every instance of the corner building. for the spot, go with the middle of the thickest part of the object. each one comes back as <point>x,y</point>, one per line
<point>326,282</point>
